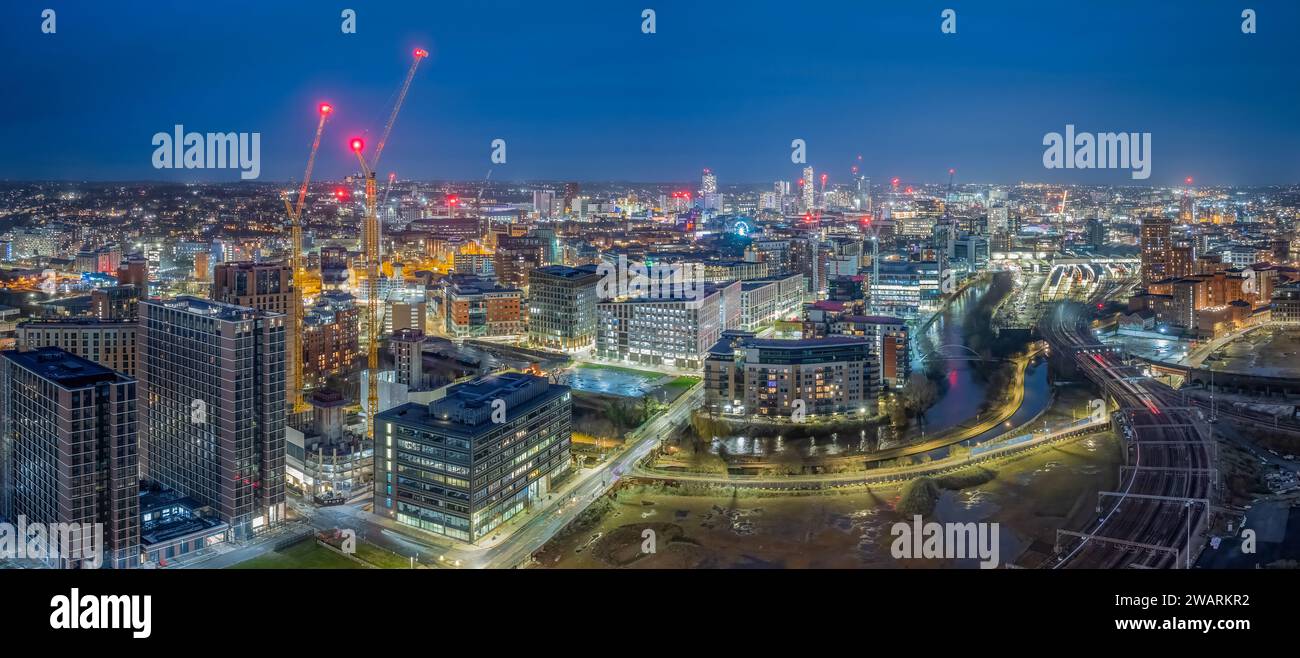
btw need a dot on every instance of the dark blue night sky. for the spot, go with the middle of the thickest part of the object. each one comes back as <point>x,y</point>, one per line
<point>578,92</point>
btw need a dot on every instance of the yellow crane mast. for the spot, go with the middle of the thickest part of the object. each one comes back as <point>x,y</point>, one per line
<point>293,358</point>
<point>374,307</point>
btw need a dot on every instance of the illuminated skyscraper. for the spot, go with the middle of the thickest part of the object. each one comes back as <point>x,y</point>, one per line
<point>709,185</point>
<point>709,199</point>
<point>807,190</point>
<point>1155,249</point>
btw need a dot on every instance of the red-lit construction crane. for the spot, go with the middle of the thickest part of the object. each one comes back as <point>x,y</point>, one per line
<point>292,350</point>
<point>374,308</point>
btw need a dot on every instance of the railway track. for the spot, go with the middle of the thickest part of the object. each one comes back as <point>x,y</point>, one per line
<point>1161,507</point>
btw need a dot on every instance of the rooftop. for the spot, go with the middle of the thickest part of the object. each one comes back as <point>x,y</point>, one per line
<point>467,407</point>
<point>220,310</point>
<point>63,368</point>
<point>567,272</point>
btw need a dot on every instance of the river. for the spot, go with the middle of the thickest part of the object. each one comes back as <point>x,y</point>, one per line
<point>960,396</point>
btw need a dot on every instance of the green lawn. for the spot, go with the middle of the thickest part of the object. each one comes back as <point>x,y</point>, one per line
<point>380,557</point>
<point>305,555</point>
<point>683,382</point>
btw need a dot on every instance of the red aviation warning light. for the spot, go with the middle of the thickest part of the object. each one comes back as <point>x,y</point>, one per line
<point>1189,180</point>
<point>894,181</point>
<point>356,144</point>
<point>326,108</point>
<point>452,200</point>
<point>420,52</point>
<point>340,194</point>
<point>909,189</point>
<point>951,171</point>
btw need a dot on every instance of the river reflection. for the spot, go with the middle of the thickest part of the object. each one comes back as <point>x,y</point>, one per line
<point>959,399</point>
<point>962,391</point>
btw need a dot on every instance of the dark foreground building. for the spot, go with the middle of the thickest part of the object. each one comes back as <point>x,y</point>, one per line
<point>68,449</point>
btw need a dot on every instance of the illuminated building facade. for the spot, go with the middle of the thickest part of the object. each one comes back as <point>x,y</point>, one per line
<point>562,307</point>
<point>669,331</point>
<point>475,306</point>
<point>110,343</point>
<point>330,338</point>
<point>448,468</point>
<point>1155,243</point>
<point>750,376</point>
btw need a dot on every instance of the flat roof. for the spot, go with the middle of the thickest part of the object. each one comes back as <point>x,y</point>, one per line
<point>63,368</point>
<point>829,341</point>
<point>567,272</point>
<point>202,306</point>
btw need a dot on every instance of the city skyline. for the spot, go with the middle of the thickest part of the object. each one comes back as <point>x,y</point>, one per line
<point>612,104</point>
<point>846,286</point>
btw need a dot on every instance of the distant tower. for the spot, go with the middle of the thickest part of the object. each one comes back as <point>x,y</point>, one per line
<point>864,193</point>
<point>709,191</point>
<point>1155,246</point>
<point>1187,206</point>
<point>808,188</point>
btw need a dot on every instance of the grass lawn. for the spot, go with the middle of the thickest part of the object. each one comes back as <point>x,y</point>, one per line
<point>683,382</point>
<point>380,557</point>
<point>305,555</point>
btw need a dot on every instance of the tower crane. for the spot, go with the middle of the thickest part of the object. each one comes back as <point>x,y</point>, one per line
<point>478,200</point>
<point>374,310</point>
<point>392,175</point>
<point>294,359</point>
